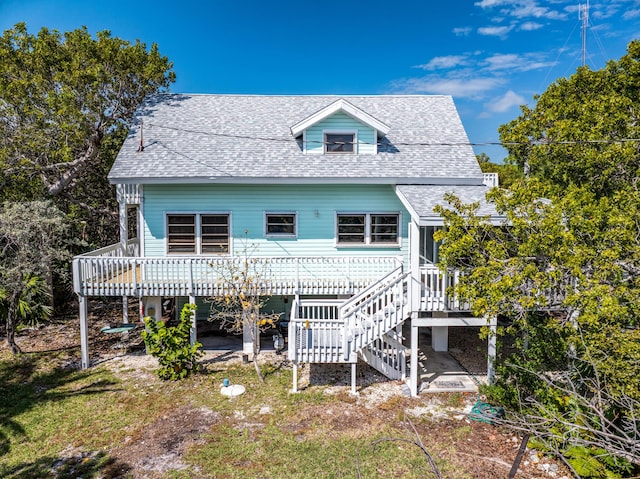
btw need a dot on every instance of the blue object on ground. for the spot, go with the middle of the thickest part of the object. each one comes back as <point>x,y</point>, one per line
<point>121,328</point>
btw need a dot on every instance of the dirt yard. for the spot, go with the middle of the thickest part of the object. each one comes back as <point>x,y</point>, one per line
<point>483,450</point>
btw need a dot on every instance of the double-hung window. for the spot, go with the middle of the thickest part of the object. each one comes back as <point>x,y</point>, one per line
<point>368,229</point>
<point>197,233</point>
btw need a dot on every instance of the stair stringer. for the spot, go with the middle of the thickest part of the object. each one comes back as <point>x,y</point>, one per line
<point>387,355</point>
<point>375,312</point>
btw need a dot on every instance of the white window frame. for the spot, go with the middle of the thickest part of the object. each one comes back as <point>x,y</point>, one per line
<point>198,226</point>
<point>367,229</point>
<point>340,132</point>
<point>281,213</point>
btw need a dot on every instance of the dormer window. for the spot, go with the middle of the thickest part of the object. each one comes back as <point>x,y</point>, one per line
<point>339,143</point>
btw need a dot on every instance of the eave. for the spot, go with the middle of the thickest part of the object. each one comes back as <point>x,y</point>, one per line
<point>346,107</point>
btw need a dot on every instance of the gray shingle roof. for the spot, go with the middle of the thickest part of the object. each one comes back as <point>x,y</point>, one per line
<point>246,138</point>
<point>422,199</point>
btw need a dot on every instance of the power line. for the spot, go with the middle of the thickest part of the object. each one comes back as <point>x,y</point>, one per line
<point>462,143</point>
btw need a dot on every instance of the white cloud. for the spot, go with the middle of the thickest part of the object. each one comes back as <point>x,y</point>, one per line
<point>491,3</point>
<point>445,62</point>
<point>495,31</point>
<point>457,87</point>
<point>462,31</point>
<point>629,14</point>
<point>531,26</point>
<point>505,102</point>
<point>514,62</point>
<point>520,9</point>
<point>503,61</point>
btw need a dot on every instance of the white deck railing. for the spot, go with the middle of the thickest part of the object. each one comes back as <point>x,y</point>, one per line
<point>128,194</point>
<point>118,271</point>
<point>316,335</point>
<point>434,295</point>
<point>108,272</point>
<point>490,179</point>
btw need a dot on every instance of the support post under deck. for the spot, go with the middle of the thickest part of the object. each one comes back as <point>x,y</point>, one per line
<point>413,372</point>
<point>193,332</point>
<point>491,349</point>
<point>353,379</point>
<point>84,331</point>
<point>295,377</point>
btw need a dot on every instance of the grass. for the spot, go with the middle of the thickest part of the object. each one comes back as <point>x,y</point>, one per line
<point>64,423</point>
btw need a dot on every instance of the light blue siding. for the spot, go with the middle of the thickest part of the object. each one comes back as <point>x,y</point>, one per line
<point>366,135</point>
<point>315,205</point>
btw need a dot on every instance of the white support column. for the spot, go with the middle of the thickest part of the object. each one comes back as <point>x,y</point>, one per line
<point>84,331</point>
<point>124,228</point>
<point>295,377</point>
<point>353,379</point>
<point>491,349</point>
<point>414,265</point>
<point>125,309</point>
<point>413,373</point>
<point>440,338</point>
<point>193,333</point>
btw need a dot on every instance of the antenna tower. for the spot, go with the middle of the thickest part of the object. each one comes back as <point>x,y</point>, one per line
<point>583,14</point>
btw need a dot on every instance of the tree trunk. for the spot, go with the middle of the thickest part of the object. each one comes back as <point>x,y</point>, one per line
<point>11,323</point>
<point>256,351</point>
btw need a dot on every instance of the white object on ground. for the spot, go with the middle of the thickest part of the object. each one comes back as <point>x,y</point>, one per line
<point>233,390</point>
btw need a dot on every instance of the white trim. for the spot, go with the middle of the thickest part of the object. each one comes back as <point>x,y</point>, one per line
<point>367,229</point>
<point>339,105</point>
<point>280,235</point>
<point>304,142</point>
<point>356,146</point>
<point>141,223</point>
<point>319,180</point>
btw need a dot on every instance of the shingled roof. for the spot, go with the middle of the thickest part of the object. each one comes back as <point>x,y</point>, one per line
<point>247,139</point>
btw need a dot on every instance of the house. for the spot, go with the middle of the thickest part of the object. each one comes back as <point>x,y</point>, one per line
<point>336,192</point>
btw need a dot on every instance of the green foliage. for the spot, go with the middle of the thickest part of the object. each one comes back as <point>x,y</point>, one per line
<point>577,133</point>
<point>33,239</point>
<point>564,270</point>
<point>68,101</point>
<point>172,347</point>
<point>507,173</point>
<point>32,304</point>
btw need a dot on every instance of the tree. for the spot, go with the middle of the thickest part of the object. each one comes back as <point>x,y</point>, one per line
<point>580,129</point>
<point>66,104</point>
<point>564,275</point>
<point>240,307</point>
<point>32,245</point>
<point>561,276</point>
<point>507,173</point>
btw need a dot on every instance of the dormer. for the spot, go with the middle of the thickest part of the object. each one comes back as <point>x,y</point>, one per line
<point>340,128</point>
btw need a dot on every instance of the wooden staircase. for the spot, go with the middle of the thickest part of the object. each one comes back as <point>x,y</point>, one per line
<point>366,326</point>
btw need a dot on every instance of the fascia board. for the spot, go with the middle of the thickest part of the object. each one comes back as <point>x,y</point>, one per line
<point>340,105</point>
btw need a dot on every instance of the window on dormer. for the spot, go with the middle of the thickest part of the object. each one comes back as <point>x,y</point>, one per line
<point>339,143</point>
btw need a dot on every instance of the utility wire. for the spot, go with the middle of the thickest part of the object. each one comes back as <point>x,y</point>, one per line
<point>319,142</point>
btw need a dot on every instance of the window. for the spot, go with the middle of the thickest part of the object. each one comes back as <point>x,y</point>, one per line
<point>214,233</point>
<point>368,229</point>
<point>197,233</point>
<point>339,142</point>
<point>351,229</point>
<point>181,233</point>
<point>280,224</point>
<point>384,228</point>
<point>429,248</point>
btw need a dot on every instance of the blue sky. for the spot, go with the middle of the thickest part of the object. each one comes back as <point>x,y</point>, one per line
<point>490,55</point>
